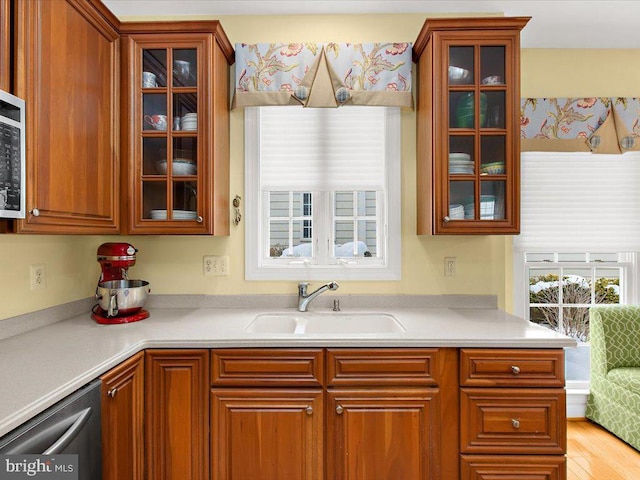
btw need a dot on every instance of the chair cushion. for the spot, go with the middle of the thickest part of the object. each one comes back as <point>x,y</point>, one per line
<point>628,378</point>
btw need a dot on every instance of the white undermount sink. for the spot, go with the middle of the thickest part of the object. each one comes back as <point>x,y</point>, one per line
<point>325,323</point>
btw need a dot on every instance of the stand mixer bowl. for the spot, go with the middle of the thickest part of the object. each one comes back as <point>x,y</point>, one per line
<point>122,297</point>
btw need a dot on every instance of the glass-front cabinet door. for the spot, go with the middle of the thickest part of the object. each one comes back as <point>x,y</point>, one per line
<point>171,148</point>
<point>169,131</point>
<point>475,150</point>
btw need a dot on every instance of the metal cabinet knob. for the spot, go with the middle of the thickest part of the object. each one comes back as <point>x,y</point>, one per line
<point>199,219</point>
<point>309,410</point>
<point>515,422</point>
<point>515,369</point>
<point>112,393</point>
<point>446,219</point>
<point>35,212</point>
<point>339,410</point>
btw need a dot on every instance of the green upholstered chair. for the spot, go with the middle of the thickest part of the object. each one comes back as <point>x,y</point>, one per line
<point>614,401</point>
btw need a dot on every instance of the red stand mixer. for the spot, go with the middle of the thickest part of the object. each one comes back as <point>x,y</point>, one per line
<point>120,300</point>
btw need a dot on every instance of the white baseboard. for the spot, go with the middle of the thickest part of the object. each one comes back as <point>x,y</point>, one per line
<point>576,402</point>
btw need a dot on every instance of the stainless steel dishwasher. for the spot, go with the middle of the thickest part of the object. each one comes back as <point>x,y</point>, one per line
<point>71,426</point>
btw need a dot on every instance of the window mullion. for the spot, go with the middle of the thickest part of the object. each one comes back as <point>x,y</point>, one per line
<point>321,216</point>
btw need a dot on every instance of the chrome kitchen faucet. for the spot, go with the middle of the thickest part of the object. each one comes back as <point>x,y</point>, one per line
<point>304,298</point>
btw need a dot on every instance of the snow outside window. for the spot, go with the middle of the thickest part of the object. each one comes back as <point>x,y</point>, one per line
<point>323,193</point>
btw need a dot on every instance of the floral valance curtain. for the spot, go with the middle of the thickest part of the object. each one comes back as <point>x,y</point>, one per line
<point>596,124</point>
<point>323,75</point>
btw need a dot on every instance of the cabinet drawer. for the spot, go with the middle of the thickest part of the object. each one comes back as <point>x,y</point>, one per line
<point>510,467</point>
<point>381,366</point>
<point>513,420</point>
<point>267,367</point>
<point>511,368</point>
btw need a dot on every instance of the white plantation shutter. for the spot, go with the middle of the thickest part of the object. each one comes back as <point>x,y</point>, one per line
<point>579,202</point>
<point>322,149</point>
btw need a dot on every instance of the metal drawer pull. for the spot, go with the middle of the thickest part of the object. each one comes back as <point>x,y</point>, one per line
<point>515,422</point>
<point>339,409</point>
<point>35,212</point>
<point>446,219</point>
<point>515,369</point>
<point>309,410</point>
<point>112,393</point>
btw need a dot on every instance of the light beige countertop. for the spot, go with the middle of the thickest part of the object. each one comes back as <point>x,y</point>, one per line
<point>42,366</point>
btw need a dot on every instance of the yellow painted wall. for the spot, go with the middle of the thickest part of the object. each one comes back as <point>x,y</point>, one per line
<point>174,264</point>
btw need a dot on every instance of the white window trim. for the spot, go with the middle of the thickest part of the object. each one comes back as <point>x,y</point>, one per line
<point>254,267</point>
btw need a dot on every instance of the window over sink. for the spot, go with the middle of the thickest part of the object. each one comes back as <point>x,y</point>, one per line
<point>323,193</point>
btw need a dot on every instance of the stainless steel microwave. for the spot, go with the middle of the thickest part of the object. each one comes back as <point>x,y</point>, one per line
<point>12,156</point>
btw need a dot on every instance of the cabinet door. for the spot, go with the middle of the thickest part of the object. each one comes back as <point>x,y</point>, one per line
<point>122,425</point>
<point>266,434</point>
<point>176,414</point>
<point>67,70</point>
<point>468,122</point>
<point>177,117</point>
<point>379,434</point>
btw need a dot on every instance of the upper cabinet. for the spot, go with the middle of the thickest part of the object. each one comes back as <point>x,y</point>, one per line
<point>175,128</point>
<point>468,142</point>
<point>67,70</point>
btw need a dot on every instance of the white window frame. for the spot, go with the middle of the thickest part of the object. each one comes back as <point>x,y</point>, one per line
<point>387,267</point>
<point>628,263</point>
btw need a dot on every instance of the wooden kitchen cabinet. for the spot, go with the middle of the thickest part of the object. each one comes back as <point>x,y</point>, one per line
<point>378,434</point>
<point>468,125</point>
<point>122,420</point>
<point>391,414</point>
<point>512,414</point>
<point>267,414</point>
<point>177,414</point>
<point>67,68</point>
<point>339,413</point>
<point>267,434</point>
<point>175,127</point>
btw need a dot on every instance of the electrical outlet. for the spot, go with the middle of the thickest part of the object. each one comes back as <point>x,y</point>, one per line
<point>216,266</point>
<point>38,277</point>
<point>449,266</point>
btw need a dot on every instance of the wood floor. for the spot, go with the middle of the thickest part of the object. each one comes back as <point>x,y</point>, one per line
<point>595,454</point>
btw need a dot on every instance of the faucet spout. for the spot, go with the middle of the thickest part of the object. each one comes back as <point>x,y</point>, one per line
<point>305,298</point>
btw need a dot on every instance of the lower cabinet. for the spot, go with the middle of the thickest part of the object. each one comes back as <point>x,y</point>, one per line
<point>176,414</point>
<point>336,413</point>
<point>381,434</point>
<point>122,420</point>
<point>354,414</point>
<point>266,434</point>
<point>512,414</point>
